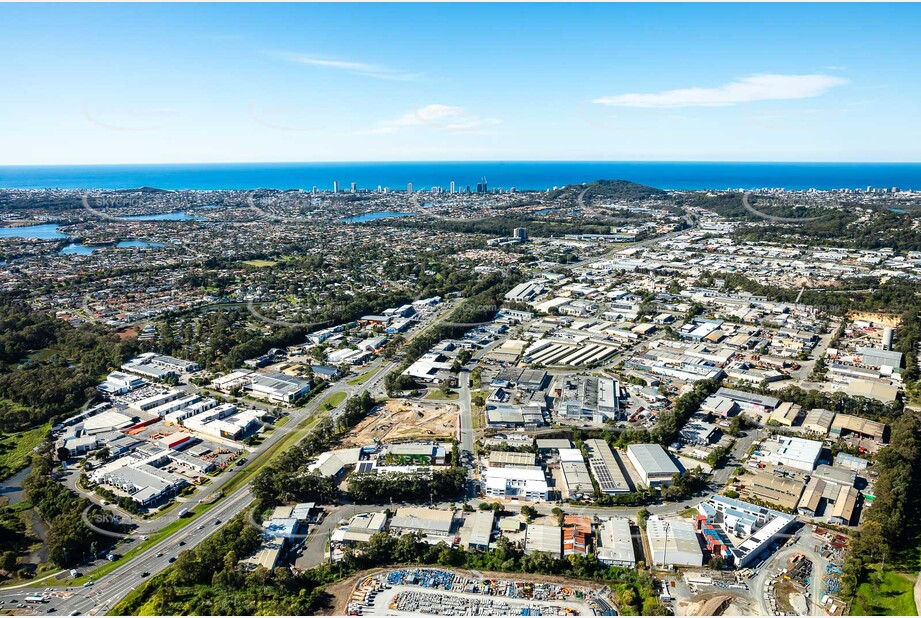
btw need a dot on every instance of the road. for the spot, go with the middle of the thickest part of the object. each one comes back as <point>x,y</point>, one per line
<point>804,544</point>
<point>109,589</point>
<point>100,597</point>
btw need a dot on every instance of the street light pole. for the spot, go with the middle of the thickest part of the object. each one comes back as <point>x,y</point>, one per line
<point>665,548</point>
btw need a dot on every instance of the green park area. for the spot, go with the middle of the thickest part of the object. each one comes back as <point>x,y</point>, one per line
<point>886,593</point>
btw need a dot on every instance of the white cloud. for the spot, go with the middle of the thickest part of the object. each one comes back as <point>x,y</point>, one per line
<point>358,68</point>
<point>769,87</point>
<point>442,117</point>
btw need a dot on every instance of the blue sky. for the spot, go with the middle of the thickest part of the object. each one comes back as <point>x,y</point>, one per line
<point>182,83</point>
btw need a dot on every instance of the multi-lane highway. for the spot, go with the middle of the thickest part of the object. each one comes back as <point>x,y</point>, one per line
<point>107,590</point>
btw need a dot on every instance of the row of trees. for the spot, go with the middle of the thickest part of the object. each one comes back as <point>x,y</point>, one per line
<point>286,479</point>
<point>672,420</point>
<point>836,401</point>
<point>209,580</point>
<point>370,488</point>
<point>860,293</point>
<point>890,526</point>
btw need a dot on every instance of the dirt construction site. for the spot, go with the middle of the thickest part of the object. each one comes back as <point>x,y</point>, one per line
<point>715,604</point>
<point>403,421</point>
<point>434,591</point>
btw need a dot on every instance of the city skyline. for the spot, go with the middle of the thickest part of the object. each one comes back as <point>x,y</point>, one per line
<point>143,84</point>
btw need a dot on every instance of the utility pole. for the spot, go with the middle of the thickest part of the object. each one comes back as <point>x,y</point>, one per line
<point>665,549</point>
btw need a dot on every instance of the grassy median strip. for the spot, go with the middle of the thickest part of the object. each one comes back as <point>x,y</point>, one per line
<point>331,401</point>
<point>358,380</point>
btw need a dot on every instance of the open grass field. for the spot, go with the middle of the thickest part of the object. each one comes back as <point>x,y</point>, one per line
<point>260,263</point>
<point>16,449</point>
<point>331,401</point>
<point>437,395</point>
<point>891,595</point>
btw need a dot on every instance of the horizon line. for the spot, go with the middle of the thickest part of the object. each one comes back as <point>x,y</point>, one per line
<point>464,161</point>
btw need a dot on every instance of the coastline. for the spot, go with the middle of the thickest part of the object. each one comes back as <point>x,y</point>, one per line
<point>521,175</point>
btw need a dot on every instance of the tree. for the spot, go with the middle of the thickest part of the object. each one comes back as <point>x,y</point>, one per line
<point>559,514</point>
<point>642,516</point>
<point>529,512</point>
<point>9,561</point>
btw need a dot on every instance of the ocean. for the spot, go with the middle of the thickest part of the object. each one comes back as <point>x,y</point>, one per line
<point>505,175</point>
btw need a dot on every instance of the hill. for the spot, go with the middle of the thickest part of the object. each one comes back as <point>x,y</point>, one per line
<point>614,189</point>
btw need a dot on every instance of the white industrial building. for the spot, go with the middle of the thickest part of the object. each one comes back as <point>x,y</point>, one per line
<point>119,383</point>
<point>792,452</point>
<point>424,522</point>
<point>431,368</point>
<point>750,402</point>
<point>652,463</point>
<point>158,366</point>
<point>589,399</point>
<point>236,379</point>
<point>615,543</point>
<point>149,403</point>
<point>176,404</point>
<point>360,528</point>
<point>576,479</point>
<point>481,530</point>
<point>606,468</point>
<point>224,421</point>
<point>177,416</point>
<point>507,415</point>
<point>110,420</point>
<point>139,479</point>
<point>674,542</point>
<point>277,387</point>
<point>753,528</point>
<point>524,483</point>
<point>544,539</point>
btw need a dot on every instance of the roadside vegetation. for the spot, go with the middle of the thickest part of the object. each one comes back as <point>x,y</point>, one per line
<point>209,580</point>
<point>888,542</point>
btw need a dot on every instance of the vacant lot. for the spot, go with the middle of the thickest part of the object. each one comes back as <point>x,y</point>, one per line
<point>402,421</point>
<point>16,449</point>
<point>892,594</point>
